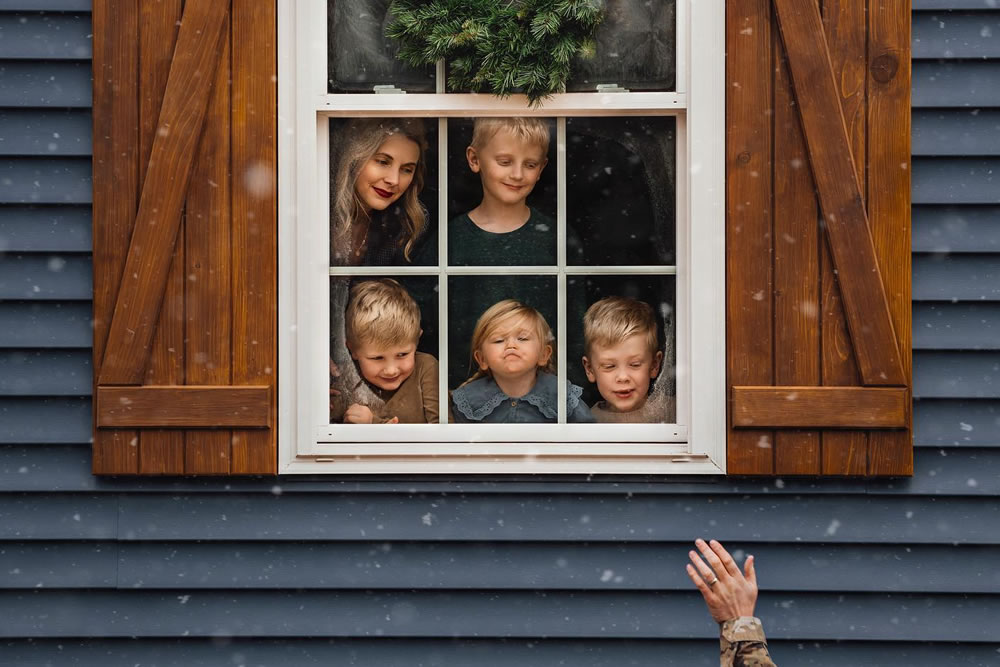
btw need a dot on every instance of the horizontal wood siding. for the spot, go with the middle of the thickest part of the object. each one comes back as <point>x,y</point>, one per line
<point>468,573</point>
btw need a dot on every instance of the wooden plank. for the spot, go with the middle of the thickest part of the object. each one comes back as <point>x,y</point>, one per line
<point>748,220</point>
<point>889,198</point>
<point>826,407</point>
<point>161,452</point>
<point>181,118</point>
<point>116,190</point>
<point>846,25</point>
<point>840,194</point>
<point>184,406</point>
<point>254,260</point>
<point>208,309</point>
<point>796,271</point>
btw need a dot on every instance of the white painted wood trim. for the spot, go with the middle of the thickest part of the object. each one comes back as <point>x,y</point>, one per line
<point>706,136</point>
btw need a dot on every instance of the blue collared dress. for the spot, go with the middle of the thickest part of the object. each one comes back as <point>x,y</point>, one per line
<point>484,402</point>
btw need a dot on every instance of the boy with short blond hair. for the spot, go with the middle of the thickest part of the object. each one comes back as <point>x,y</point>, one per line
<point>382,326</point>
<point>509,154</point>
<point>622,357</point>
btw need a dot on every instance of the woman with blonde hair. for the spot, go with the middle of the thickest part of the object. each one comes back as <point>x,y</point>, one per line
<point>376,217</point>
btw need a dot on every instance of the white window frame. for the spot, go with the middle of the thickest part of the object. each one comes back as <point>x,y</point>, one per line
<point>304,109</point>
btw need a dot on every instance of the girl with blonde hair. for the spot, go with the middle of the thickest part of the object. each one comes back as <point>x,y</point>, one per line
<point>515,379</point>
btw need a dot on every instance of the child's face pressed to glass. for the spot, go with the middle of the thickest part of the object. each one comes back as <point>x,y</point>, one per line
<point>386,367</point>
<point>508,165</point>
<point>388,173</point>
<point>623,372</point>
<point>513,349</point>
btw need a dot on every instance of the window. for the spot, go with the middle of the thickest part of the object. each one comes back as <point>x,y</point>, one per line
<point>629,203</point>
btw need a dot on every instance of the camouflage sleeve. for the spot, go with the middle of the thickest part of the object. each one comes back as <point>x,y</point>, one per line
<point>743,644</point>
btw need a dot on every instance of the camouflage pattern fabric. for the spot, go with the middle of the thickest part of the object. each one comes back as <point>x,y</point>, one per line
<point>743,644</point>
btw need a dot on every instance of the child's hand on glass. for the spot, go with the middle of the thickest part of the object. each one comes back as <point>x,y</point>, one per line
<point>358,414</point>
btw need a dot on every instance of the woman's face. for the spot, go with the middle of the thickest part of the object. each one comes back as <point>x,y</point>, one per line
<point>388,173</point>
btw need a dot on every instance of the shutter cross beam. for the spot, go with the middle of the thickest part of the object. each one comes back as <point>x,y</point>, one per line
<point>844,215</point>
<point>182,117</point>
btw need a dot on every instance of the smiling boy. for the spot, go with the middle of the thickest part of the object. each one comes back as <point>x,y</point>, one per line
<point>509,154</point>
<point>622,357</point>
<point>383,327</point>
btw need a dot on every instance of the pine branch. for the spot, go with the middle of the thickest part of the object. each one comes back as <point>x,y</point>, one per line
<point>508,45</point>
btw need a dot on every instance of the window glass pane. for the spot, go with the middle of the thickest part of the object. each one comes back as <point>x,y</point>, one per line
<point>631,379</point>
<point>621,190</point>
<point>636,48</point>
<point>470,296</point>
<point>502,193</point>
<point>383,192</point>
<point>383,356</point>
<point>360,56</point>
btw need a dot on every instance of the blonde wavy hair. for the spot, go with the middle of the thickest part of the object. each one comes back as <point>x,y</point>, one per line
<point>381,313</point>
<point>494,318</point>
<point>361,140</point>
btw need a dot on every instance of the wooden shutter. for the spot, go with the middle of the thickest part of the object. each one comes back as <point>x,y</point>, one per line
<point>818,237</point>
<point>184,237</point>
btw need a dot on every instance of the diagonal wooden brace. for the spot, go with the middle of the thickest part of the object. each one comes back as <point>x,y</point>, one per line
<point>844,216</point>
<point>182,116</point>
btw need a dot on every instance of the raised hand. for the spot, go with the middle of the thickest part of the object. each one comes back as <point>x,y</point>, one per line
<point>728,592</point>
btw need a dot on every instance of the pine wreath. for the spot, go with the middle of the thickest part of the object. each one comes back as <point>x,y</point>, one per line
<point>506,45</point>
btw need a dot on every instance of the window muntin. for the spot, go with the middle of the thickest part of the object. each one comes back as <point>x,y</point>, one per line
<point>699,154</point>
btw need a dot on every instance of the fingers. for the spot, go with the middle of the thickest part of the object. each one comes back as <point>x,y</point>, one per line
<point>704,570</point>
<point>751,572</point>
<point>731,567</point>
<point>711,557</point>
<point>394,420</point>
<point>698,581</point>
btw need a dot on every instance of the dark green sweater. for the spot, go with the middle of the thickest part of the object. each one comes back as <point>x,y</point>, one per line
<point>531,244</point>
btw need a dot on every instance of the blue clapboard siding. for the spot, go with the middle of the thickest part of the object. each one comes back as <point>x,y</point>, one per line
<point>388,652</point>
<point>32,132</point>
<point>471,573</point>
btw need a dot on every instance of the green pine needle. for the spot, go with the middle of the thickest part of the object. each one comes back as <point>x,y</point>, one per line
<point>508,45</point>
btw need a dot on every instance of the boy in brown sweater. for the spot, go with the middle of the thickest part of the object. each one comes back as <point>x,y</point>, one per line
<point>382,327</point>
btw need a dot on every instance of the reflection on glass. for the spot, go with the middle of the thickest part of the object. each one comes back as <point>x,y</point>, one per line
<point>360,56</point>
<point>636,48</point>
<point>621,184</point>
<point>502,192</point>
<point>629,379</point>
<point>383,348</point>
<point>383,192</point>
<point>470,296</point>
